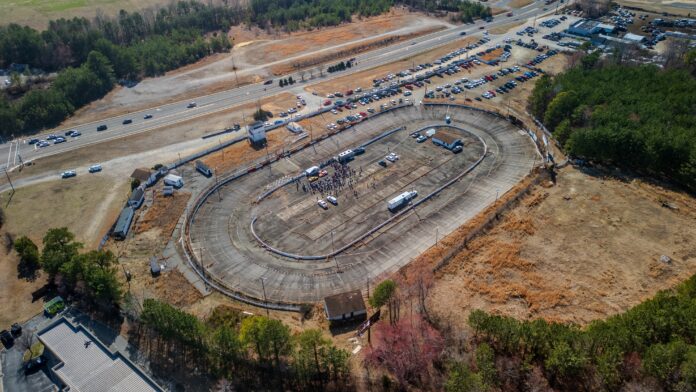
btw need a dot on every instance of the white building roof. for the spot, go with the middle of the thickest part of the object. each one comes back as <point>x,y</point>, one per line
<point>633,37</point>
<point>91,367</point>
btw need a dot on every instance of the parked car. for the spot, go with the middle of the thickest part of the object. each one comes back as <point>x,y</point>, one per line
<point>421,139</point>
<point>322,204</point>
<point>382,163</point>
<point>332,200</point>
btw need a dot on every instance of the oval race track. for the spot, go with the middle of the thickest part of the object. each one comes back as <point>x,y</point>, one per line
<point>220,237</point>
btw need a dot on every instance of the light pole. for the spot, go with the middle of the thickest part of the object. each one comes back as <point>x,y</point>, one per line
<point>265,301</point>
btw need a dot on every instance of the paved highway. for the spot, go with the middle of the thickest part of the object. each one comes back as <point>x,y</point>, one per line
<point>169,114</point>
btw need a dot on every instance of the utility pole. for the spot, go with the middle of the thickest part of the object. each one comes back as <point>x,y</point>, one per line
<point>8,180</point>
<point>265,301</point>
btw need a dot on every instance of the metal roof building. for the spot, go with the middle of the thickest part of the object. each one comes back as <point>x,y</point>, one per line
<point>586,28</point>
<point>123,223</point>
<point>86,365</point>
<point>345,306</point>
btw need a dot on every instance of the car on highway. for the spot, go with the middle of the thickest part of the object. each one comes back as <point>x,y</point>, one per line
<point>127,121</point>
<point>147,116</point>
<point>33,141</point>
<point>462,33</point>
<point>269,81</point>
<point>191,105</point>
<point>332,200</point>
<point>68,174</point>
<point>59,140</point>
<point>101,128</point>
<point>322,204</point>
<point>95,168</point>
<point>42,144</point>
<point>70,132</point>
<point>51,137</point>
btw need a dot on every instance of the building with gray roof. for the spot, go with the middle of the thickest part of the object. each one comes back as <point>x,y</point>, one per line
<point>85,364</point>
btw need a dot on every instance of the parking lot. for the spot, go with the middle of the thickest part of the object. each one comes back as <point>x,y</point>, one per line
<point>220,233</point>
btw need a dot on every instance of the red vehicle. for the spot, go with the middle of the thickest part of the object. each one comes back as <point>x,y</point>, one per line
<point>408,87</point>
<point>327,102</point>
<point>363,114</point>
<point>349,92</point>
<point>347,106</point>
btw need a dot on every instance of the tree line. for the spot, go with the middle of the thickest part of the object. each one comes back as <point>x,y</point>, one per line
<point>247,353</point>
<point>641,118</point>
<point>653,343</point>
<point>88,277</point>
<point>465,10</point>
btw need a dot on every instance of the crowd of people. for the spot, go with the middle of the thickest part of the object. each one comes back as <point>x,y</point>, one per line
<point>339,178</point>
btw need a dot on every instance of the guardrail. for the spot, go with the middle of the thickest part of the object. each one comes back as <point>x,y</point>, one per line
<point>388,220</point>
<point>531,134</point>
<point>189,254</point>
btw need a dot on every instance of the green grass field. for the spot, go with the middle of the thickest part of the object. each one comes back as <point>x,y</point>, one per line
<point>37,13</point>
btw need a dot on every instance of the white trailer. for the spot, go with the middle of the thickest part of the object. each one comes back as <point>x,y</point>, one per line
<point>174,180</point>
<point>401,200</point>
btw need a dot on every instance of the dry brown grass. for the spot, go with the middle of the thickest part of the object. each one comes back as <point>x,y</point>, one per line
<point>364,78</point>
<point>519,3</point>
<point>575,252</point>
<point>163,214</point>
<point>351,50</point>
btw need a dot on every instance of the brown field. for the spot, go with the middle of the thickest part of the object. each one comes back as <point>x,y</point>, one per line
<point>37,13</point>
<point>574,252</point>
<point>364,78</point>
<point>308,61</point>
<point>87,205</point>
<point>519,3</point>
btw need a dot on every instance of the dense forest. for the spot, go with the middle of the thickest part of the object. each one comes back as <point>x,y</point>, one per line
<point>243,352</point>
<point>641,118</point>
<point>651,347</point>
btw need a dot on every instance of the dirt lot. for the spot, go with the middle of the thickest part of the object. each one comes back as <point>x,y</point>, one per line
<point>574,252</point>
<point>365,78</point>
<point>519,3</point>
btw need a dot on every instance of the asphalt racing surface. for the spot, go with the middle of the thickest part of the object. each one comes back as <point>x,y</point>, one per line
<point>176,112</point>
<point>221,240</point>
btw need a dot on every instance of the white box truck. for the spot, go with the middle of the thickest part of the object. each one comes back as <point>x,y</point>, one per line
<point>173,180</point>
